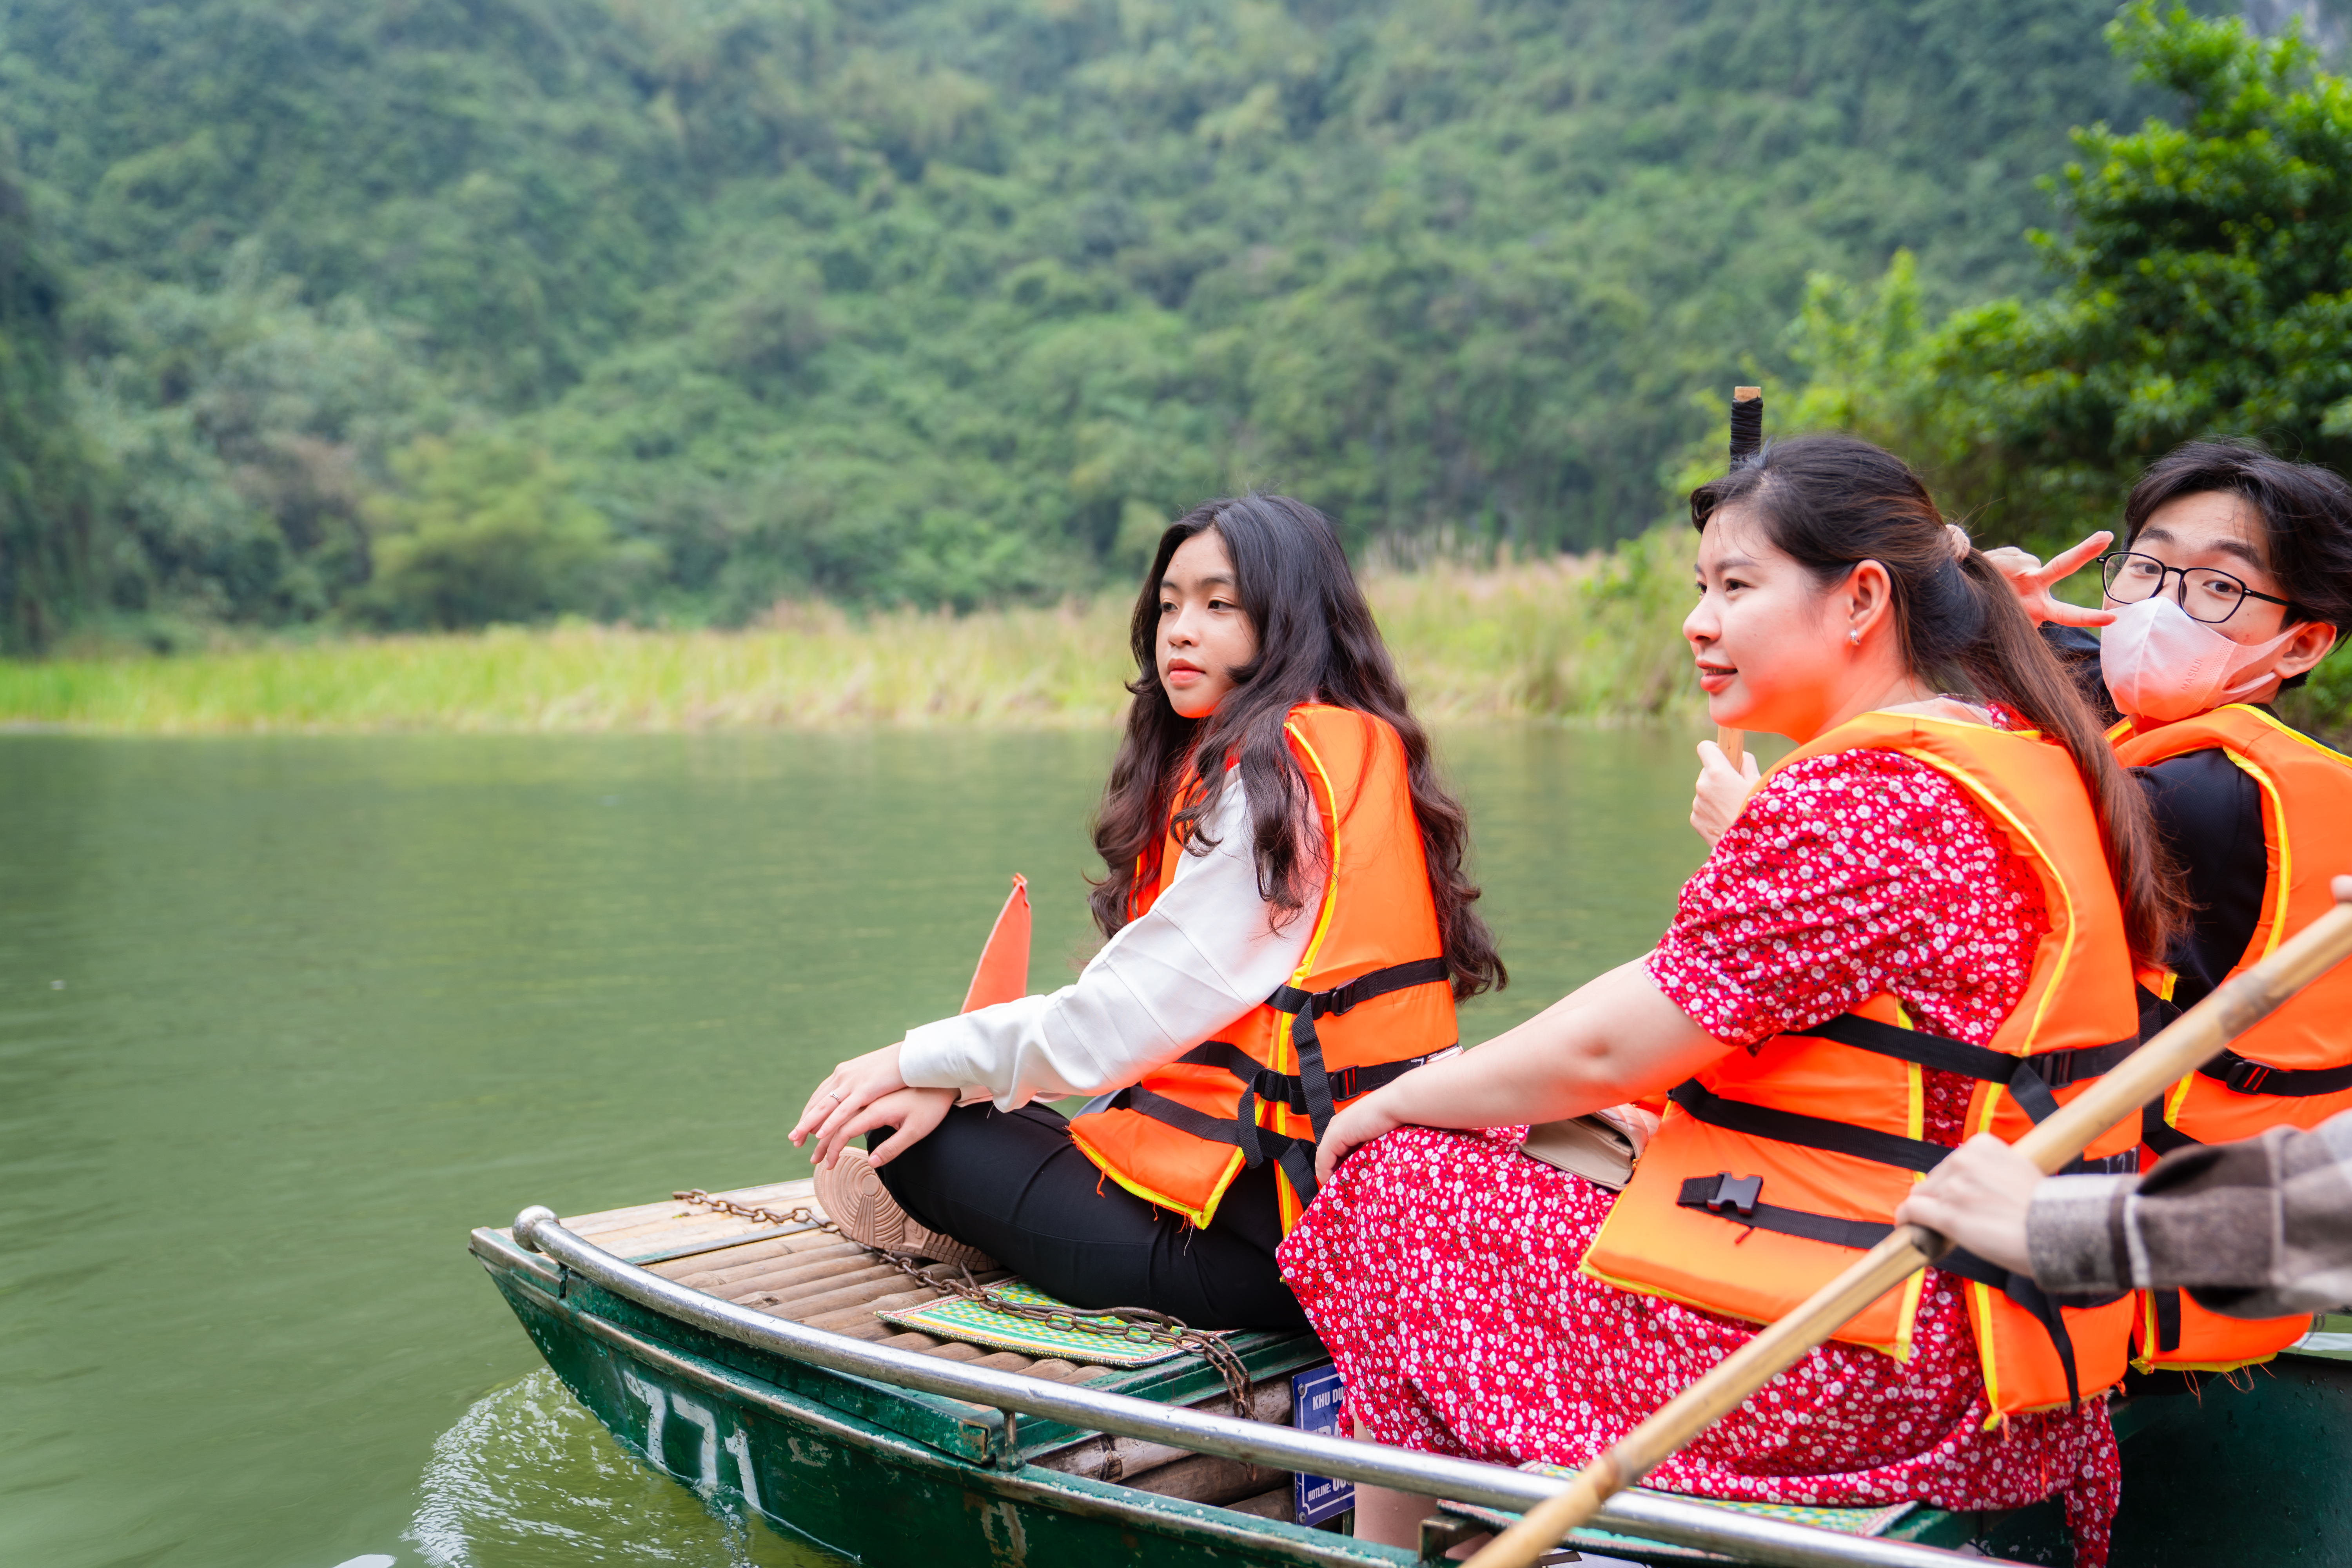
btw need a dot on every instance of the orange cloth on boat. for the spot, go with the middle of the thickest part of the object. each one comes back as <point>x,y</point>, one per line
<point>1371,996</point>
<point>1776,1164</point>
<point>2294,1068</point>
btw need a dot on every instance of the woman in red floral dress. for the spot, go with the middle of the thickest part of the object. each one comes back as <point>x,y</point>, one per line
<point>1440,1264</point>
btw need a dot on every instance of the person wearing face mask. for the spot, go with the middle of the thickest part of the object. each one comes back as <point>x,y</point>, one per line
<point>1924,925</point>
<point>2234,580</point>
<point>1288,928</point>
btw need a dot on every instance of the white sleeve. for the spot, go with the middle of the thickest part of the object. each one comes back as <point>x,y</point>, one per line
<point>1207,951</point>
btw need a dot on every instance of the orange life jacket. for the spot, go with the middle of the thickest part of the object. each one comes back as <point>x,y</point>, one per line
<point>1370,999</point>
<point>2294,1068</point>
<point>1774,1168</point>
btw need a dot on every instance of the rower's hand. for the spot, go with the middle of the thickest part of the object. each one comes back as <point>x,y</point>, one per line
<point>2032,579</point>
<point>1978,1197</point>
<point>1359,1124</point>
<point>1721,790</point>
<point>915,1113</point>
<point>847,1092</point>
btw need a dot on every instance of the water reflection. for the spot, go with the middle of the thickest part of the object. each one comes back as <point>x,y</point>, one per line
<point>528,1477</point>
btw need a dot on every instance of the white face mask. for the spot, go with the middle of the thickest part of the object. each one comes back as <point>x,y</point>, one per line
<point>2161,664</point>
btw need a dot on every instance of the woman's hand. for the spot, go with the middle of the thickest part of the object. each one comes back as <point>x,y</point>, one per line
<point>2031,580</point>
<point>915,1113</point>
<point>1977,1196</point>
<point>1356,1126</point>
<point>1721,790</point>
<point>848,1089</point>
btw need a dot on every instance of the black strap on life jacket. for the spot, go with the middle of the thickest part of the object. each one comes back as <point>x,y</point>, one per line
<point>2167,1302</point>
<point>1806,1131</point>
<point>1290,1089</point>
<point>1311,1092</point>
<point>1842,1137</point>
<point>1306,1006</point>
<point>2244,1075</point>
<point>2159,1134</point>
<point>1740,1200</point>
<point>2029,1078</point>
<point>1295,1155</point>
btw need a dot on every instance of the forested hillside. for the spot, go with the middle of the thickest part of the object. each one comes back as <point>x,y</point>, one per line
<point>437,311</point>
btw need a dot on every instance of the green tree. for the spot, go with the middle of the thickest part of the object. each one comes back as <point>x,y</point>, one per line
<point>2204,274</point>
<point>242,430</point>
<point>47,503</point>
<point>483,532</point>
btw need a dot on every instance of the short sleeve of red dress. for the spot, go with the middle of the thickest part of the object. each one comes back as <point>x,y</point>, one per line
<point>1848,876</point>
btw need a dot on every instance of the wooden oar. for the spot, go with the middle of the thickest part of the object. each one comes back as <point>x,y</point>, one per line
<point>2194,1040</point>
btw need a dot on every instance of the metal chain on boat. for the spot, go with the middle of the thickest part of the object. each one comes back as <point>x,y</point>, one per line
<point>1130,1325</point>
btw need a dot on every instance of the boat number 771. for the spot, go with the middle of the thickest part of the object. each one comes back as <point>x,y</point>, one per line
<point>659,1402</point>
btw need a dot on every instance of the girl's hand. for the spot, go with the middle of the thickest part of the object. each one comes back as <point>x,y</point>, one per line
<point>1721,789</point>
<point>1978,1197</point>
<point>915,1113</point>
<point>2031,580</point>
<point>847,1090</point>
<point>1359,1124</point>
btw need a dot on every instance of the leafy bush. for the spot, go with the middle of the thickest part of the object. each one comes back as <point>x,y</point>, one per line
<point>483,532</point>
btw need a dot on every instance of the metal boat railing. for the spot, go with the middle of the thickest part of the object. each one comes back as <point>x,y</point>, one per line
<point>1646,1515</point>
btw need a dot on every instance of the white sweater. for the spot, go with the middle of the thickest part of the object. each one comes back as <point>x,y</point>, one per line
<point>1207,951</point>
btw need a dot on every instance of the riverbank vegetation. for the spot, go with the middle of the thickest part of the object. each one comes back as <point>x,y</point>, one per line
<point>1556,638</point>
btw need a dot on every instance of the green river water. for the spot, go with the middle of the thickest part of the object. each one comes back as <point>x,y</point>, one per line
<point>282,1019</point>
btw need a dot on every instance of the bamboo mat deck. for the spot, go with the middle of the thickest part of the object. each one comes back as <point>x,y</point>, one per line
<point>812,1276</point>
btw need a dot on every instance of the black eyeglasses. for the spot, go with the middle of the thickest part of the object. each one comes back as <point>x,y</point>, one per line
<point>2206,594</point>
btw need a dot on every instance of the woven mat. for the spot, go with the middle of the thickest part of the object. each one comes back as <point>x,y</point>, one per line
<point>1844,1521</point>
<point>951,1317</point>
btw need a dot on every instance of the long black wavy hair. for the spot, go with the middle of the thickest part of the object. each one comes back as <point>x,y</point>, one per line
<point>1316,642</point>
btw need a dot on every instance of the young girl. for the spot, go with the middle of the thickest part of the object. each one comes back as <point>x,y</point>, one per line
<point>1912,932</point>
<point>1288,929</point>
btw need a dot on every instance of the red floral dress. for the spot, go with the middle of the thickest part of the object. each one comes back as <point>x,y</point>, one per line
<point>1440,1267</point>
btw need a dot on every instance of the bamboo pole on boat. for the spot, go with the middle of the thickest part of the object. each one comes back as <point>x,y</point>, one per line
<point>1746,438</point>
<point>2192,1040</point>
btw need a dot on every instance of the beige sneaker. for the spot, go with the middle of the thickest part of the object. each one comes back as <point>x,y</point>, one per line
<point>853,1198</point>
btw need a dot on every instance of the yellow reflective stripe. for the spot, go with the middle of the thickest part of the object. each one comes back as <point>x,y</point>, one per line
<point>2283,872</point>
<point>1200,1217</point>
<point>1285,1054</point>
<point>2288,732</point>
<point>1979,1299</point>
<point>1900,1349</point>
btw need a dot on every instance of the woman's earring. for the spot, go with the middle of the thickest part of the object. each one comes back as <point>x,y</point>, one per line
<point>1854,635</point>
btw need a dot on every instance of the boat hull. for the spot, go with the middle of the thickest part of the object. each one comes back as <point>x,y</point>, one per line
<point>2252,1470</point>
<point>848,1486</point>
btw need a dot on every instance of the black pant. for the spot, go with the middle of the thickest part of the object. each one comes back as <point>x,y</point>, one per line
<point>1013,1185</point>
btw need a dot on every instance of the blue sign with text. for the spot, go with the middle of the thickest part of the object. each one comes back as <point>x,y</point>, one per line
<point>1318,1403</point>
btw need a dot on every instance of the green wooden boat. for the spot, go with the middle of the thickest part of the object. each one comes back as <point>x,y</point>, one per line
<point>744,1358</point>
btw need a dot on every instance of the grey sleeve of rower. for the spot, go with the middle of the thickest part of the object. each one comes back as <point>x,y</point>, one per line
<point>2260,1228</point>
<point>2075,1234</point>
